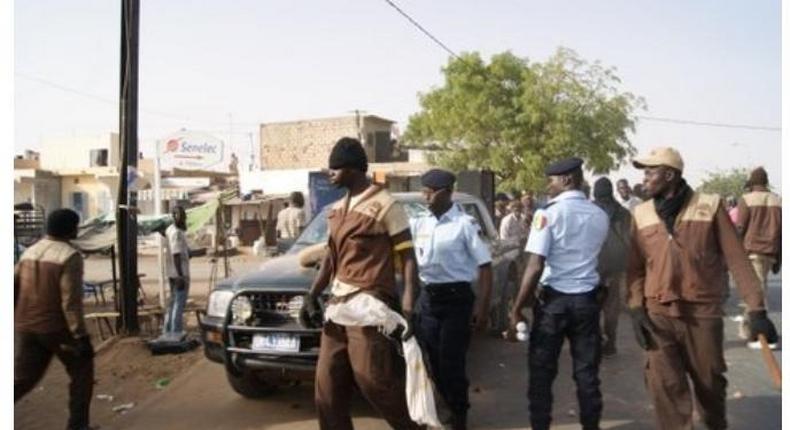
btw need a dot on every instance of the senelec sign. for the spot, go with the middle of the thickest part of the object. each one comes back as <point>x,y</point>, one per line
<point>192,150</point>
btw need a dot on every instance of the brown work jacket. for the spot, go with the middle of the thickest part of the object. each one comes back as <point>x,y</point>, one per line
<point>48,289</point>
<point>361,246</point>
<point>760,222</point>
<point>685,274</point>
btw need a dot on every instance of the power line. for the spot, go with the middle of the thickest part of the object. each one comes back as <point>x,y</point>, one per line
<point>115,102</point>
<point>644,117</point>
<point>708,124</point>
<point>421,28</point>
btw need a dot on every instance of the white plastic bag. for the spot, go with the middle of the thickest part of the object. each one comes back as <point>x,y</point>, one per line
<point>419,387</point>
<point>366,310</point>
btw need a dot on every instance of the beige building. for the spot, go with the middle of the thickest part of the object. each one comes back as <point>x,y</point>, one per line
<point>77,172</point>
<point>307,143</point>
<point>80,152</point>
<point>91,191</point>
<point>39,187</point>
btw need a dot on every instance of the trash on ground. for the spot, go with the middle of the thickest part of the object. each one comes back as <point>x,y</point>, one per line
<point>162,383</point>
<point>123,408</point>
<point>107,397</point>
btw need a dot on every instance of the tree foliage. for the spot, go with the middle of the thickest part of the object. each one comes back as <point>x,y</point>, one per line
<point>725,183</point>
<point>513,116</point>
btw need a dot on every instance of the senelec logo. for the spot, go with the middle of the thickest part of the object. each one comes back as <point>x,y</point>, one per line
<point>201,148</point>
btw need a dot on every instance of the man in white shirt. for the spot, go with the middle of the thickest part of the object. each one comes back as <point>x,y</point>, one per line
<point>177,263</point>
<point>514,224</point>
<point>291,220</point>
<point>629,199</point>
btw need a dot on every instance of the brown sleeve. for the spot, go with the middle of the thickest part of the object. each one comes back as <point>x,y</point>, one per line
<point>635,275</point>
<point>743,217</point>
<point>71,295</point>
<point>737,262</point>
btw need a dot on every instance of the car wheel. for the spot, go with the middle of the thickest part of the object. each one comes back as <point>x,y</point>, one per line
<point>250,384</point>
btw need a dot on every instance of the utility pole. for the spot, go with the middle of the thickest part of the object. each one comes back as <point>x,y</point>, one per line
<point>158,212</point>
<point>126,217</point>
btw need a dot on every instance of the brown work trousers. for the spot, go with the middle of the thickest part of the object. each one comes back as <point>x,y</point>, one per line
<point>32,354</point>
<point>687,348</point>
<point>615,297</point>
<point>762,265</point>
<point>363,355</point>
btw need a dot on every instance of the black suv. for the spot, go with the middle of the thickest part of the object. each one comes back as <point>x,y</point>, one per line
<point>251,322</point>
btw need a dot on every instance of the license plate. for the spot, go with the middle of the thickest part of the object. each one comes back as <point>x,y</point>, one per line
<point>275,342</point>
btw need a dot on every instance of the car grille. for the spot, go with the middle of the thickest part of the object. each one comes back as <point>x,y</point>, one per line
<point>270,309</point>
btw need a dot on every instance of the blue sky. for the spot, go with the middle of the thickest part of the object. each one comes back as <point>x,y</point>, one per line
<point>220,66</point>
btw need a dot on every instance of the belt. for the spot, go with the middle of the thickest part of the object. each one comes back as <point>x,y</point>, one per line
<point>447,289</point>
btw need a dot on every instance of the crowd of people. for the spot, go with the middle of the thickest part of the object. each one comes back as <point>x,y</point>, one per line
<point>663,251</point>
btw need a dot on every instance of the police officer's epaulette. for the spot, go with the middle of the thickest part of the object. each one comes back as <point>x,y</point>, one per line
<point>546,206</point>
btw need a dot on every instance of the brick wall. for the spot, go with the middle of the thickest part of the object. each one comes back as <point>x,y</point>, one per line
<point>306,144</point>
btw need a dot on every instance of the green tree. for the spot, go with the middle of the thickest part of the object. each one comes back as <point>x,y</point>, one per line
<point>514,116</point>
<point>725,183</point>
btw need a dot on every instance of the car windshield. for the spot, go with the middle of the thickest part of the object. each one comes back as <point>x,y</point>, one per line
<point>317,231</point>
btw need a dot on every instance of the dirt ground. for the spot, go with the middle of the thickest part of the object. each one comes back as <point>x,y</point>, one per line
<point>125,370</point>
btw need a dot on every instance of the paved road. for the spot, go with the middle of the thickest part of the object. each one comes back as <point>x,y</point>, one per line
<point>201,399</point>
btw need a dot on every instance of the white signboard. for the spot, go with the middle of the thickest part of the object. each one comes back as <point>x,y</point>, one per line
<point>193,150</point>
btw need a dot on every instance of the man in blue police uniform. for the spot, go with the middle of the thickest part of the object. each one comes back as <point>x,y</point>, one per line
<point>450,254</point>
<point>563,246</point>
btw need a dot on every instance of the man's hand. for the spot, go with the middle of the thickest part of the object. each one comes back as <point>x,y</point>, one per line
<point>310,314</point>
<point>642,327</point>
<point>80,347</point>
<point>180,283</point>
<point>411,322</point>
<point>776,267</point>
<point>479,319</point>
<point>759,324</point>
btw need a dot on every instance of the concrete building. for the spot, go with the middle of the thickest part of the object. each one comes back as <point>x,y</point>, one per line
<point>38,187</point>
<point>90,191</point>
<point>306,144</point>
<point>80,152</point>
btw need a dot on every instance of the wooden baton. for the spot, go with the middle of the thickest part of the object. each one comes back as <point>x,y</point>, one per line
<point>770,362</point>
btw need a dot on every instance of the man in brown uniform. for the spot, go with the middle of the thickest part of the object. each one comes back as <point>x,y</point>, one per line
<point>760,224</point>
<point>367,229</point>
<point>48,317</point>
<point>682,244</point>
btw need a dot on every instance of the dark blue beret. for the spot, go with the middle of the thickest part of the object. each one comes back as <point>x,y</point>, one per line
<point>437,178</point>
<point>564,166</point>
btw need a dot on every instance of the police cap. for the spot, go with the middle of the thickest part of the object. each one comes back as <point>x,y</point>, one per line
<point>564,166</point>
<point>436,179</point>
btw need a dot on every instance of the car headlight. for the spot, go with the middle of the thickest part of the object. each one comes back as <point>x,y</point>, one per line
<point>241,309</point>
<point>295,306</point>
<point>218,303</point>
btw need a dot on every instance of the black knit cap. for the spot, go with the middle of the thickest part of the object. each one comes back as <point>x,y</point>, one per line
<point>602,188</point>
<point>62,223</point>
<point>348,153</point>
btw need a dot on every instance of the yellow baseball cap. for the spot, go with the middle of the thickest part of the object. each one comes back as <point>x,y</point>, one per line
<point>660,157</point>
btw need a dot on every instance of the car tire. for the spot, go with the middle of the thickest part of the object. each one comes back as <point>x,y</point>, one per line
<point>249,384</point>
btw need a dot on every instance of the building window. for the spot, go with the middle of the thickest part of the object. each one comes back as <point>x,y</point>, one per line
<point>98,158</point>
